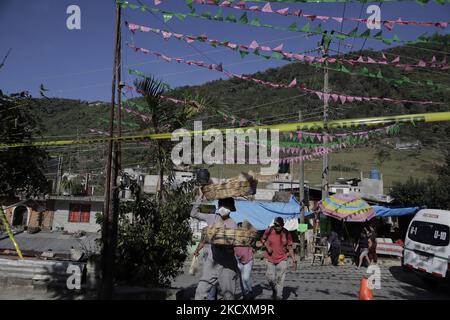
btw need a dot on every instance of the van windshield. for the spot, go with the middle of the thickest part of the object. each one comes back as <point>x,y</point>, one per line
<point>429,233</point>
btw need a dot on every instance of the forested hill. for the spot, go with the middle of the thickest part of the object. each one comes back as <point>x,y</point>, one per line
<point>251,101</point>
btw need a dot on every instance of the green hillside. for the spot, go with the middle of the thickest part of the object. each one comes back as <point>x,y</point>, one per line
<point>242,99</point>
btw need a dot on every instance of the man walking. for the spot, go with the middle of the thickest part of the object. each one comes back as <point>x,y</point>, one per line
<point>220,266</point>
<point>278,243</point>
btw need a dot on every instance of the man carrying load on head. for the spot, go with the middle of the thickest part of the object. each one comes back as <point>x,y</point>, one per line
<point>220,266</point>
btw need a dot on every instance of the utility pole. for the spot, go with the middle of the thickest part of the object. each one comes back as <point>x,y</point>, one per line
<point>59,175</point>
<point>301,197</point>
<point>326,40</point>
<point>109,227</point>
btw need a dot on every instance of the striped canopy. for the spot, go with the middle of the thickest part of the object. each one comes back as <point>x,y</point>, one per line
<point>347,207</point>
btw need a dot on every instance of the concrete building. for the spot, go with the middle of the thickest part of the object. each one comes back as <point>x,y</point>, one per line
<point>73,214</point>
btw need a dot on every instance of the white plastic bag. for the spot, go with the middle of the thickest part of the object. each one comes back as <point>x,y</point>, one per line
<point>194,266</point>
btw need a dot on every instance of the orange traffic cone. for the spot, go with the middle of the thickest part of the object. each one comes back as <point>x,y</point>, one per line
<point>365,293</point>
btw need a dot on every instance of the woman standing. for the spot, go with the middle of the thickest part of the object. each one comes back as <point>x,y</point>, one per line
<point>363,246</point>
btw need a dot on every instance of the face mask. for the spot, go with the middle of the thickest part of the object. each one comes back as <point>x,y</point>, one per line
<point>223,211</point>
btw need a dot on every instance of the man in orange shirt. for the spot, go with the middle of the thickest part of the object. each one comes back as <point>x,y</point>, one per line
<point>278,243</point>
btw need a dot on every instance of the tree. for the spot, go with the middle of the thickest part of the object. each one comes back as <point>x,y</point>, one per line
<point>432,192</point>
<point>153,238</point>
<point>21,168</point>
<point>153,231</point>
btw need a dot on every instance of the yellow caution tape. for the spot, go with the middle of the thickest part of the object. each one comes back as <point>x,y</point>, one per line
<point>10,234</point>
<point>286,127</point>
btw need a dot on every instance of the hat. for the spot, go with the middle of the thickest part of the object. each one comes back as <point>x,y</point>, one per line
<point>279,220</point>
<point>227,203</point>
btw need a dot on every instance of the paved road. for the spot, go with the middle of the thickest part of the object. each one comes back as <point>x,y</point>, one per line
<point>333,283</point>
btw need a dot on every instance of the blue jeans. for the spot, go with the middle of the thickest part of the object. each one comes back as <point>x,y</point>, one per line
<point>246,280</point>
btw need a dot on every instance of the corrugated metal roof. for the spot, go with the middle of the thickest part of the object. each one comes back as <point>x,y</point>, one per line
<point>46,241</point>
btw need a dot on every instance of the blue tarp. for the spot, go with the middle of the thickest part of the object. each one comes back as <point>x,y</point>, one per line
<point>261,214</point>
<point>394,212</point>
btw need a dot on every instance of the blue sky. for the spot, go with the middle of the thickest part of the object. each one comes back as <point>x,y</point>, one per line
<point>78,63</point>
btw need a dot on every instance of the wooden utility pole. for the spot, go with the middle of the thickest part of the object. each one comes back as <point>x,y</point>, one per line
<point>109,227</point>
<point>325,184</point>
<point>301,197</point>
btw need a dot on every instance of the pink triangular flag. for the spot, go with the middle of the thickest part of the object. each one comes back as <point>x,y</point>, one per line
<point>166,35</point>
<point>342,98</point>
<point>388,24</point>
<point>338,19</point>
<point>293,83</point>
<point>408,67</point>
<point>267,8</point>
<point>396,60</point>
<point>319,94</point>
<point>335,97</point>
<point>326,97</point>
<point>157,2</point>
<point>279,48</point>
<point>323,18</point>
<point>253,45</point>
<point>297,13</point>
<point>283,12</point>
<point>360,59</point>
<point>254,8</point>
<point>370,60</point>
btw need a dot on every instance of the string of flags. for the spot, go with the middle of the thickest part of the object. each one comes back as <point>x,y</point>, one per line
<point>267,8</point>
<point>278,53</point>
<point>243,19</point>
<point>334,96</point>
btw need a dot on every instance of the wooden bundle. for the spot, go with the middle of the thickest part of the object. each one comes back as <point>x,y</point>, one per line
<point>244,185</point>
<point>217,234</point>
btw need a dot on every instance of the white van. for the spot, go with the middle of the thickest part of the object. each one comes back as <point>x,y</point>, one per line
<point>427,248</point>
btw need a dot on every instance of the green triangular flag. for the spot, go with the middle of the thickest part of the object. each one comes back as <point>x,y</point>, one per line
<point>123,4</point>
<point>353,33</point>
<point>167,17</point>
<point>134,6</point>
<point>219,16</point>
<point>305,28</point>
<point>422,1</point>
<point>180,16</point>
<point>395,38</point>
<point>387,41</point>
<point>378,35</point>
<point>256,52</point>
<point>365,71</point>
<point>277,55</point>
<point>244,18</point>
<point>255,22</point>
<point>341,37</point>
<point>231,18</point>
<point>266,57</point>
<point>293,27</point>
<point>318,29</point>
<point>365,34</point>
<point>207,15</point>
<point>344,69</point>
<point>243,53</point>
<point>379,75</point>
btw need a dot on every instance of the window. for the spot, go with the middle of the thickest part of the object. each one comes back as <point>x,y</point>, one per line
<point>79,212</point>
<point>429,233</point>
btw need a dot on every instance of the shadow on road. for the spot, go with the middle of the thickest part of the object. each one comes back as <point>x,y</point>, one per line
<point>418,287</point>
